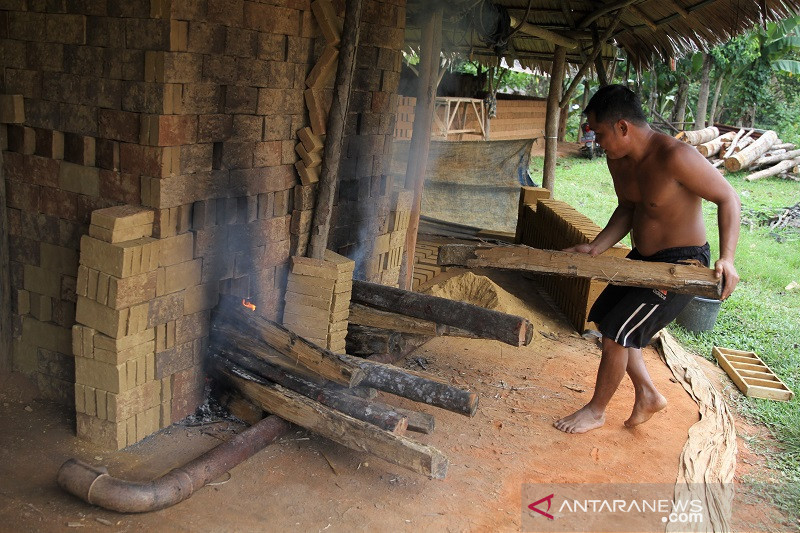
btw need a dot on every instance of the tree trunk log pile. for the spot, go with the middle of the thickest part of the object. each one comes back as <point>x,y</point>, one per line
<point>333,394</point>
<point>763,155</point>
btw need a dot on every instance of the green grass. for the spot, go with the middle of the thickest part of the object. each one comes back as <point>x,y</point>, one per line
<point>760,316</point>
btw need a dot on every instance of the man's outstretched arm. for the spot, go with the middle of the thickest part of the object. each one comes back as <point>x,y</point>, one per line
<point>618,226</point>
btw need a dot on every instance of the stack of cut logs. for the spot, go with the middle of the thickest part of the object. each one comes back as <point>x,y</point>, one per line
<point>333,394</point>
<point>764,154</point>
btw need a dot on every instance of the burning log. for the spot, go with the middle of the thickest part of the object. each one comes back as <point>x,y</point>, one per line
<point>484,323</point>
<point>332,424</point>
<point>756,149</point>
<point>254,331</point>
<point>615,270</point>
<point>326,393</point>
<point>414,386</point>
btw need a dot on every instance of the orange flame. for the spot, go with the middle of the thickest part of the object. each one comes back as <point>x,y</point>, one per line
<point>248,305</point>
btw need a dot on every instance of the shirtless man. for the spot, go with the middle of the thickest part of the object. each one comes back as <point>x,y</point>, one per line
<point>660,183</point>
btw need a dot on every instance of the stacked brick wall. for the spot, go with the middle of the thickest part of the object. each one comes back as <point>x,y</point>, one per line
<point>555,225</point>
<point>363,203</point>
<point>194,109</point>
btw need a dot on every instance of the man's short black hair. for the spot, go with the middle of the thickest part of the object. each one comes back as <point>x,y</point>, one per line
<point>614,102</point>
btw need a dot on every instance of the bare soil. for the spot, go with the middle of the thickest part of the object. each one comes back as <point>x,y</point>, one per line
<point>306,483</point>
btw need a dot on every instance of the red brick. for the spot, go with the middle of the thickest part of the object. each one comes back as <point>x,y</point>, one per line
<point>272,19</point>
<point>79,149</point>
<point>219,69</point>
<point>173,130</point>
<point>272,47</point>
<point>59,203</point>
<point>183,67</point>
<point>241,43</point>
<point>201,98</point>
<point>214,128</point>
<point>23,196</point>
<point>118,125</point>
<point>107,154</point>
<point>120,187</point>
<point>227,12</point>
<point>49,143</point>
<point>174,360</point>
<point>66,28</point>
<point>42,170</point>
<point>267,154</point>
<point>247,127</point>
<point>241,100</point>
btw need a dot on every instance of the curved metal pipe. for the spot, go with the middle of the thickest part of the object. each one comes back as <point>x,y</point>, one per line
<point>96,486</point>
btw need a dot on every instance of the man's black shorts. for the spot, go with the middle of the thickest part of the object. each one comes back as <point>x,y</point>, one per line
<point>632,315</point>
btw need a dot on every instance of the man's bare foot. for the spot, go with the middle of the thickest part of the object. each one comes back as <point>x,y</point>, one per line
<point>645,406</point>
<point>581,421</point>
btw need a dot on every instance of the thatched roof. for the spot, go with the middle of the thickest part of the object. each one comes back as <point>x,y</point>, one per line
<point>666,28</point>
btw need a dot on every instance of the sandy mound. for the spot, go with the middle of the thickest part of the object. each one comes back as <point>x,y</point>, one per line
<point>482,291</point>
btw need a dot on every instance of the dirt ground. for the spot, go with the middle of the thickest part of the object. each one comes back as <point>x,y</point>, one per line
<point>306,483</point>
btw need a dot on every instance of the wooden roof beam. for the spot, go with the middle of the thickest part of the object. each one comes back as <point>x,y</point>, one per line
<point>643,17</point>
<point>682,12</point>
<point>613,6</point>
<point>543,33</point>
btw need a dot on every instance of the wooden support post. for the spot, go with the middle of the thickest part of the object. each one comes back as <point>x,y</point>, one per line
<point>684,278</point>
<point>230,317</point>
<point>346,430</point>
<point>5,279</point>
<point>551,120</point>
<point>485,323</point>
<point>414,386</point>
<point>599,66</point>
<point>421,134</point>
<point>337,119</point>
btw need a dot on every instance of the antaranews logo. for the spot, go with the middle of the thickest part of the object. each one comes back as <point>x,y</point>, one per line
<point>643,507</point>
<point>549,500</point>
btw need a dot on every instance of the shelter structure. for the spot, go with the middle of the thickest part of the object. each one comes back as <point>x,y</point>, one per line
<point>226,137</point>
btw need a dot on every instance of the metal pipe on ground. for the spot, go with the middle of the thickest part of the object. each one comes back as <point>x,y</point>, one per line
<point>96,486</point>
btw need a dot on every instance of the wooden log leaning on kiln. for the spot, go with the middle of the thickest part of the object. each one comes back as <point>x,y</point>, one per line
<point>240,327</point>
<point>332,424</point>
<point>484,323</point>
<point>224,352</point>
<point>231,317</point>
<point>756,149</point>
<point>415,386</point>
<point>684,278</point>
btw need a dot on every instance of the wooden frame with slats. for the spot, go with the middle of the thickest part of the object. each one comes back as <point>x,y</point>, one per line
<point>753,377</point>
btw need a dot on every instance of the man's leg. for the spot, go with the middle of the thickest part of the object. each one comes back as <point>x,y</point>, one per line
<point>648,400</point>
<point>613,365</point>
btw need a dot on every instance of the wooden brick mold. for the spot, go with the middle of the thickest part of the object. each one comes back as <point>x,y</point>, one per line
<point>318,299</point>
<point>555,225</point>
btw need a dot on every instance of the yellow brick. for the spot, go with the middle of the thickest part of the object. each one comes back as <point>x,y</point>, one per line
<point>90,401</point>
<point>99,375</point>
<point>120,260</point>
<point>80,398</point>
<point>126,404</point>
<point>104,342</point>
<point>108,435</point>
<point>121,234</point>
<point>130,374</point>
<point>309,313</point>
<point>102,404</point>
<point>122,356</point>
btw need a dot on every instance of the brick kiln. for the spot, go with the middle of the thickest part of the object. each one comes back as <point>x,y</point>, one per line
<point>158,154</point>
